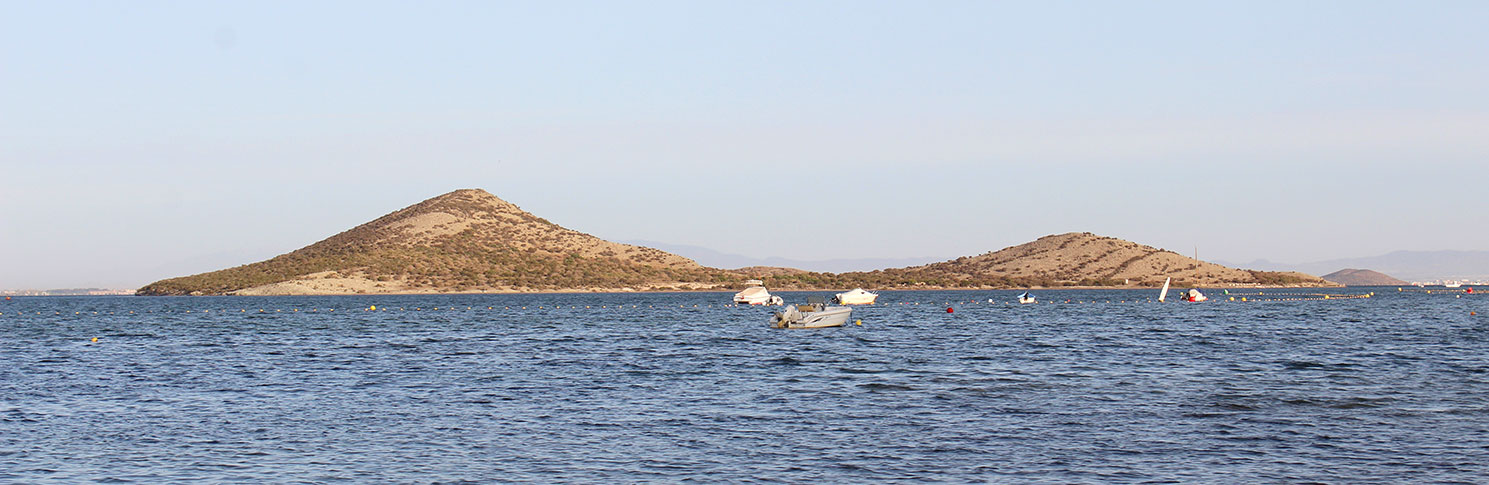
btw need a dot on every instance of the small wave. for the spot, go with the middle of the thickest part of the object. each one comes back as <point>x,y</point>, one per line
<point>1345,403</point>
<point>1310,365</point>
<point>1235,406</point>
<point>1208,415</point>
<point>879,386</point>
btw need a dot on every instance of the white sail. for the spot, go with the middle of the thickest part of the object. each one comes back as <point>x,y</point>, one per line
<point>1164,292</point>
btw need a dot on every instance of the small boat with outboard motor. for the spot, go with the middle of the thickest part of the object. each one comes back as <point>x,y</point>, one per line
<point>1026,298</point>
<point>814,314</point>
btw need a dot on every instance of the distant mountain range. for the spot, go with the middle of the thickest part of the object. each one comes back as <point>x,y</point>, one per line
<point>67,292</point>
<point>717,259</point>
<point>1406,265</point>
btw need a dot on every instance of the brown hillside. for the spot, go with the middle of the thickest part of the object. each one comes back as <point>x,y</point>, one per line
<point>484,220</point>
<point>1073,259</point>
<point>463,241</point>
<point>1088,258</point>
<point>472,241</point>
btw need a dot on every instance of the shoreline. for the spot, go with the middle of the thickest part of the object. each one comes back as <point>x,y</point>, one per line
<point>621,291</point>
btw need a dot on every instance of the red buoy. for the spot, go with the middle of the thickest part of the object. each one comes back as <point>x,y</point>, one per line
<point>948,309</point>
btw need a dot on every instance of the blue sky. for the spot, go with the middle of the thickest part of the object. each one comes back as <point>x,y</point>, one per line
<point>144,140</point>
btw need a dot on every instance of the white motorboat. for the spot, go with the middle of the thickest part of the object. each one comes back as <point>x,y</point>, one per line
<point>814,314</point>
<point>1026,298</point>
<point>1452,284</point>
<point>757,295</point>
<point>858,296</point>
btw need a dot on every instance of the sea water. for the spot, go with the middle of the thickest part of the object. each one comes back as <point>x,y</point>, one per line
<point>1109,387</point>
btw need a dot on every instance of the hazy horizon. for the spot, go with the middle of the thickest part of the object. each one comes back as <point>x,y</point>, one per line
<point>147,140</point>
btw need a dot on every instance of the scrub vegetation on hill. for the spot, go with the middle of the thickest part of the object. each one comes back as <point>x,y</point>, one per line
<point>472,241</point>
<point>464,241</point>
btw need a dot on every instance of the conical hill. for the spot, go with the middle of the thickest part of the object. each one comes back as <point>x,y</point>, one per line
<point>463,241</point>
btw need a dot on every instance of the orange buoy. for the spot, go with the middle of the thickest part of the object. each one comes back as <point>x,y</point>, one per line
<point>948,310</point>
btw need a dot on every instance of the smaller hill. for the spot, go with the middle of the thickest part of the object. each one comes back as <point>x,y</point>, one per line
<point>1072,259</point>
<point>1362,277</point>
<point>763,271</point>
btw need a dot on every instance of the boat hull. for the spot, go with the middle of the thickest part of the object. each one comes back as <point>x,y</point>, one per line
<point>869,300</point>
<point>828,317</point>
<point>756,295</point>
<point>856,297</point>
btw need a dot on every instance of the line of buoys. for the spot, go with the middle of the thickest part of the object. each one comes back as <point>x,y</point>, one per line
<point>1318,298</point>
<point>1466,291</point>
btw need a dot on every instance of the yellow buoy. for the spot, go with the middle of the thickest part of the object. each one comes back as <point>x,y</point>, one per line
<point>858,322</point>
<point>95,339</point>
<point>372,308</point>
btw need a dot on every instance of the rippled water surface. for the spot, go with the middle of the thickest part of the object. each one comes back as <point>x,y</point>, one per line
<point>665,387</point>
